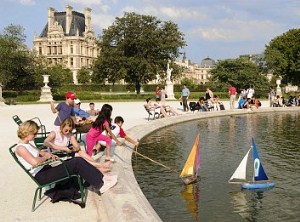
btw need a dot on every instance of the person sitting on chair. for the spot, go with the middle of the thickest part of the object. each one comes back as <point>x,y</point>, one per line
<point>167,108</point>
<point>58,141</point>
<point>78,111</point>
<point>30,156</point>
<point>201,106</point>
<point>216,102</point>
<point>156,108</point>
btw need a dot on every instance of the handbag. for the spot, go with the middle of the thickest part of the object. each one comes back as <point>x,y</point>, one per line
<point>166,96</point>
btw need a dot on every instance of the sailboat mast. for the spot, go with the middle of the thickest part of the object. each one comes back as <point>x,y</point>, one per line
<point>253,173</point>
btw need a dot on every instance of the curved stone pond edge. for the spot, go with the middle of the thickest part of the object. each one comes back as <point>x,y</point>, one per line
<point>126,201</point>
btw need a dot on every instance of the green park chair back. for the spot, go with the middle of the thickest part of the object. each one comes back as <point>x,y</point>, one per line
<point>17,120</point>
<point>41,186</point>
<point>41,135</point>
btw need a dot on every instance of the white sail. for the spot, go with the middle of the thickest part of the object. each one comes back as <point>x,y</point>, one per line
<point>240,172</point>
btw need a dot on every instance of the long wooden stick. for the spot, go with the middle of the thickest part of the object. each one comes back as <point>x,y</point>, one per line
<point>154,161</point>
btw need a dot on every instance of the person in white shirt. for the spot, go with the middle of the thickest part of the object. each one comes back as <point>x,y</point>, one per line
<point>250,92</point>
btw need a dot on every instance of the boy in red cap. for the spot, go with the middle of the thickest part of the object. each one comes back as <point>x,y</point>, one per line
<point>64,109</point>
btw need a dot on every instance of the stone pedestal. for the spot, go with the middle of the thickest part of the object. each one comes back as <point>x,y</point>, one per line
<point>2,101</point>
<point>46,95</point>
<point>170,90</point>
<point>278,89</point>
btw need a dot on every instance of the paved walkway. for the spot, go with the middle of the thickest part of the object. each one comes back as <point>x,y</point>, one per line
<point>124,202</point>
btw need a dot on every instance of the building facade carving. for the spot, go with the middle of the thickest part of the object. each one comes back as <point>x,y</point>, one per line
<point>68,39</point>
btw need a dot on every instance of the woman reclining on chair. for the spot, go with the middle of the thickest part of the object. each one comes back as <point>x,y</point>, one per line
<point>168,109</point>
<point>160,108</point>
<point>58,140</point>
<point>156,108</point>
<point>30,156</point>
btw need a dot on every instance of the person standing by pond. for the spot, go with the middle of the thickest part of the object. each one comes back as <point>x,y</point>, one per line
<point>184,97</point>
<point>232,94</point>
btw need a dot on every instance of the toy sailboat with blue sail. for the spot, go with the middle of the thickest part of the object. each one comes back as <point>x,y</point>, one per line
<point>260,179</point>
<point>191,168</point>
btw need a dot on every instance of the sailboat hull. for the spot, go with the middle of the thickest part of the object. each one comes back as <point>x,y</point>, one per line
<point>257,185</point>
<point>189,179</point>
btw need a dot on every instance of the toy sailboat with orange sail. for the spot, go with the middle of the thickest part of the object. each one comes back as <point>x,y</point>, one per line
<point>191,168</point>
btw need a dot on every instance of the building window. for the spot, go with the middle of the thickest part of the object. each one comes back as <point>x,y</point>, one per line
<point>49,50</point>
<point>71,62</point>
<point>40,51</point>
<point>71,49</point>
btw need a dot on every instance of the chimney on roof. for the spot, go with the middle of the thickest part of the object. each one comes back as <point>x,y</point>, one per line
<point>68,18</point>
<point>50,17</point>
<point>87,15</point>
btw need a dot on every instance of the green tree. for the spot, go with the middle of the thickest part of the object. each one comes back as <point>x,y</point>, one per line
<point>16,61</point>
<point>283,56</point>
<point>59,76</point>
<point>240,73</point>
<point>83,75</point>
<point>136,48</point>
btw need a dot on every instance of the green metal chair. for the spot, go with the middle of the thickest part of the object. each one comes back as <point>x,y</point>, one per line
<point>40,186</point>
<point>152,114</point>
<point>41,135</point>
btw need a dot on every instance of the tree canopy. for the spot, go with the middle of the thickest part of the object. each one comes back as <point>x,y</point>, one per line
<point>136,48</point>
<point>240,73</point>
<point>283,56</point>
<point>16,61</point>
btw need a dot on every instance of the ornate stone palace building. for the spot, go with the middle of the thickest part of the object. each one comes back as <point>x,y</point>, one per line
<point>200,73</point>
<point>68,39</point>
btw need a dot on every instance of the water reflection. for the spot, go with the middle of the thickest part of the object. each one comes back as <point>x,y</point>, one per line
<point>240,203</point>
<point>223,143</point>
<point>190,194</point>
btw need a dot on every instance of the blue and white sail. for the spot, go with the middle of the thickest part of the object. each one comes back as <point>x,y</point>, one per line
<point>259,173</point>
<point>260,179</point>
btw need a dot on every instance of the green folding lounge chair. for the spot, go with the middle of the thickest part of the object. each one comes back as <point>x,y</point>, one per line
<point>40,186</point>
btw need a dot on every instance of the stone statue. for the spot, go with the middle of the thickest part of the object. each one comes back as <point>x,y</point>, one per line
<point>169,72</point>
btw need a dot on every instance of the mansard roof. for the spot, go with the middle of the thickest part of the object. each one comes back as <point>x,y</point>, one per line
<point>78,23</point>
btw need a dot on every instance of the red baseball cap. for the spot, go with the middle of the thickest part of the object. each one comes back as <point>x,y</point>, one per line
<point>70,95</point>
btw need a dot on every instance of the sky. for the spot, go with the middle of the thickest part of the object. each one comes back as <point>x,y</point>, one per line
<point>219,29</point>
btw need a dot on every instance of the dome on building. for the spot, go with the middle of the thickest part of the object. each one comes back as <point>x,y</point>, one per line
<point>207,63</point>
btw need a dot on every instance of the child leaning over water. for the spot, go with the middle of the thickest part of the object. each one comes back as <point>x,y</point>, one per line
<point>103,122</point>
<point>117,130</point>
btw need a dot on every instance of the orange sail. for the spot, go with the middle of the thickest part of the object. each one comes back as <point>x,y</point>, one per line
<point>192,165</point>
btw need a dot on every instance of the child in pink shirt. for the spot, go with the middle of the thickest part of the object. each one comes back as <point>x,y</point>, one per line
<point>94,135</point>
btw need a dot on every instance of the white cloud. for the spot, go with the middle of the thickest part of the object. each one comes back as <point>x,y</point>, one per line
<point>229,30</point>
<point>170,13</point>
<point>97,5</point>
<point>85,2</point>
<point>27,2</point>
<point>101,21</point>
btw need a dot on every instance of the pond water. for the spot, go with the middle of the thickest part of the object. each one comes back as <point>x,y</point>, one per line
<point>223,143</point>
